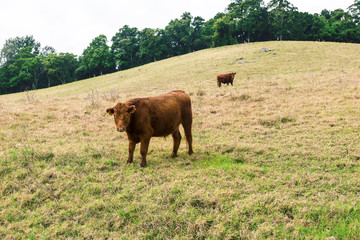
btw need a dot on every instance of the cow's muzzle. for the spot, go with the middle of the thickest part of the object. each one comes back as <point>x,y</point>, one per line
<point>121,129</point>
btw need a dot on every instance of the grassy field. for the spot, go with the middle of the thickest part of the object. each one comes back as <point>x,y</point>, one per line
<point>277,156</point>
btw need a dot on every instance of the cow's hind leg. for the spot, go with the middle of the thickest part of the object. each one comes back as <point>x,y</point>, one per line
<point>177,138</point>
<point>187,129</point>
<point>144,146</point>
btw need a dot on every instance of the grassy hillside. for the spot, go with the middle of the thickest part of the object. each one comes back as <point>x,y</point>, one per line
<point>276,156</point>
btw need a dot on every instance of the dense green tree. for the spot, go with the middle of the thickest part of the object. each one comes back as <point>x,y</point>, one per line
<point>199,36</point>
<point>256,24</point>
<point>60,69</point>
<point>321,29</point>
<point>326,14</point>
<point>343,26</point>
<point>179,32</point>
<point>223,32</point>
<point>300,26</point>
<point>251,18</point>
<point>280,13</point>
<point>148,45</point>
<point>208,32</point>
<point>97,58</point>
<point>25,71</point>
<point>164,45</point>
<point>81,72</point>
<point>125,45</point>
<point>4,79</point>
<point>354,10</point>
<point>13,46</point>
<point>21,64</point>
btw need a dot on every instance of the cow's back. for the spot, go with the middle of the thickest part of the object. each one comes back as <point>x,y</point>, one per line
<point>223,78</point>
<point>161,114</point>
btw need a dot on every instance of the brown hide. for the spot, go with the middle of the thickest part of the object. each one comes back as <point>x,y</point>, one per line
<point>225,78</point>
<point>143,118</point>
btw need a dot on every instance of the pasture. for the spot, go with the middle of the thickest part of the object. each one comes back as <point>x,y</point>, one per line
<point>276,156</point>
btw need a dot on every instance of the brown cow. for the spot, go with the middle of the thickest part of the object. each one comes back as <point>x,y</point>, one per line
<point>143,118</point>
<point>225,78</point>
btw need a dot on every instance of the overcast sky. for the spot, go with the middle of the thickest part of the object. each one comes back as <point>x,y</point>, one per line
<point>70,25</point>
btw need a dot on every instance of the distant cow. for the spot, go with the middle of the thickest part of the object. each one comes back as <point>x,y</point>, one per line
<point>143,118</point>
<point>225,78</point>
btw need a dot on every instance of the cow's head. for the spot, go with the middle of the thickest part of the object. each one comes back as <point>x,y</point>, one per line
<point>232,75</point>
<point>122,114</point>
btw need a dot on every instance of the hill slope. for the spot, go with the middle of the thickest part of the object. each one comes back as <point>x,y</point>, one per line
<point>276,155</point>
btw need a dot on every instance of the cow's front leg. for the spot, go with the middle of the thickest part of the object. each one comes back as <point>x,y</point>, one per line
<point>144,149</point>
<point>132,146</point>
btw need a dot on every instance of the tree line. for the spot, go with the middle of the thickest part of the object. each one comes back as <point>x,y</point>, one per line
<point>25,65</point>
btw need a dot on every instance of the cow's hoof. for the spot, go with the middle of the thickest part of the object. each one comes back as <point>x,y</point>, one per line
<point>173,155</point>
<point>143,164</point>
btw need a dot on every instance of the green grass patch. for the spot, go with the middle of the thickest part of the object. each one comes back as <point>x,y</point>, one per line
<point>276,156</point>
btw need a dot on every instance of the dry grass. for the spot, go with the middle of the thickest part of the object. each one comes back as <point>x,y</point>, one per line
<point>276,156</point>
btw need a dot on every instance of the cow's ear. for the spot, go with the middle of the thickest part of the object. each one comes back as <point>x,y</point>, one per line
<point>131,109</point>
<point>110,111</point>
